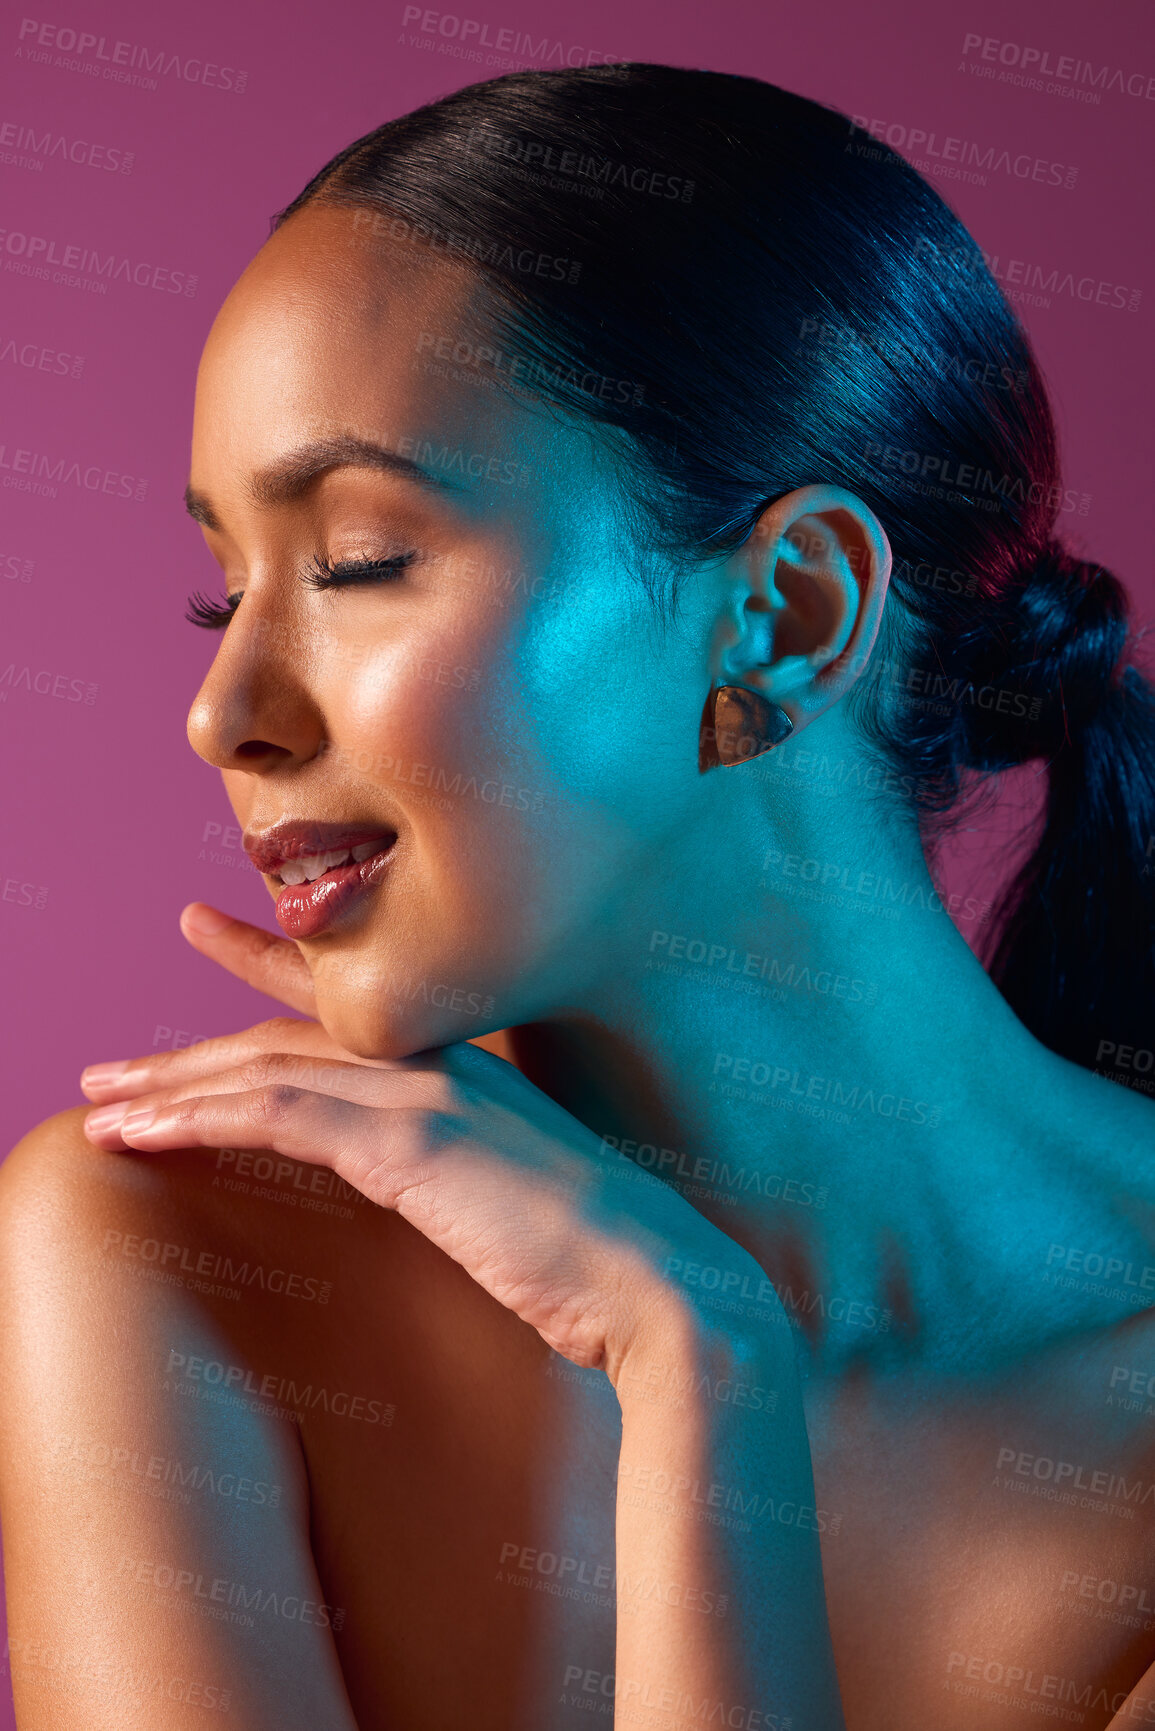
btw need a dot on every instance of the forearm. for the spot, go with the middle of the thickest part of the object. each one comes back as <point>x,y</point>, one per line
<point>721,1608</point>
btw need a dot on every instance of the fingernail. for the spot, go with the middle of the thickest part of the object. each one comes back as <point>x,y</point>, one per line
<point>102,1075</point>
<point>138,1121</point>
<point>104,1118</point>
<point>205,921</point>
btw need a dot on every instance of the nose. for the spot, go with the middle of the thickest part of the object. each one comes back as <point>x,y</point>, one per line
<point>254,711</point>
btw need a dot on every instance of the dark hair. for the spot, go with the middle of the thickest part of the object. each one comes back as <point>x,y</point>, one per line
<point>764,297</point>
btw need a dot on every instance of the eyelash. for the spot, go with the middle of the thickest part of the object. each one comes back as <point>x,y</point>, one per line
<point>320,575</point>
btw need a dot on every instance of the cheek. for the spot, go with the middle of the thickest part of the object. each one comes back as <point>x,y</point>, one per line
<point>420,723</point>
<point>531,759</point>
<point>499,860</point>
<point>412,722</point>
<point>462,923</point>
<point>431,736</point>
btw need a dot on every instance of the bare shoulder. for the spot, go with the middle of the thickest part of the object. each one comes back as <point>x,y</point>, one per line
<point>276,1261</point>
<point>156,1523</point>
<point>272,1261</point>
<point>54,1179</point>
<point>202,1464</point>
<point>201,1220</point>
<point>59,1196</point>
<point>45,1154</point>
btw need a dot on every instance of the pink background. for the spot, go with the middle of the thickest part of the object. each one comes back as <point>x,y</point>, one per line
<point>110,813</point>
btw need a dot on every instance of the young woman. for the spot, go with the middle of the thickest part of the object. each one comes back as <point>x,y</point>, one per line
<point>663,1276</point>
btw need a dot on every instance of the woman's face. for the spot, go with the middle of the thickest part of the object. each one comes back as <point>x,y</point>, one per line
<point>491,716</point>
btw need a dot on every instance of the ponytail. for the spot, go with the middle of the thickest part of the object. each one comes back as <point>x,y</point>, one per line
<point>1074,949</point>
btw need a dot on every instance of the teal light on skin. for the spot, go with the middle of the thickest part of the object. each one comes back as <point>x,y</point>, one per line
<point>588,706</point>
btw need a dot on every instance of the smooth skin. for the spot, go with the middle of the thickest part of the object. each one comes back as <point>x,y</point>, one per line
<point>824,1370</point>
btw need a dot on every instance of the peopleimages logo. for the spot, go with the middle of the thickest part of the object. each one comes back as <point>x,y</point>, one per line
<point>41,147</point>
<point>122,62</point>
<point>466,37</point>
<point>42,473</point>
<point>958,158</point>
<point>39,358</point>
<point>46,257</point>
<point>1065,69</point>
<point>1025,281</point>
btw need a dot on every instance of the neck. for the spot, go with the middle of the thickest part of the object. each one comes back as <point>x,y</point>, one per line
<point>806,1070</point>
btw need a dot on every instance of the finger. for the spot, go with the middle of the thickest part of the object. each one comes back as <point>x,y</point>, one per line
<point>529,1227</point>
<point>304,1073</point>
<point>379,1152</point>
<point>532,1225</point>
<point>271,964</point>
<point>122,1080</point>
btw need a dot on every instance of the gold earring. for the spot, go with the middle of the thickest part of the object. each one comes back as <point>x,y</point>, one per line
<point>740,724</point>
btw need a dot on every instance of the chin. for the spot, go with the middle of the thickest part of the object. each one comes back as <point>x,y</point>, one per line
<point>371,1024</point>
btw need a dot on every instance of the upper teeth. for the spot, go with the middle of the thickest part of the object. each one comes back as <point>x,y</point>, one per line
<point>314,865</point>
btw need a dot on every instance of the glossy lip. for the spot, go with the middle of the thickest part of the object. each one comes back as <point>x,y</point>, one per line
<point>291,839</point>
<point>307,910</point>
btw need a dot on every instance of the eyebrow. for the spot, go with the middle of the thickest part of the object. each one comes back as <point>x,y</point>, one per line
<point>289,478</point>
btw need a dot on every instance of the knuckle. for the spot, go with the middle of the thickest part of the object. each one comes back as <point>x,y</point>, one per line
<point>272,1104</point>
<point>184,1111</point>
<point>261,1072</point>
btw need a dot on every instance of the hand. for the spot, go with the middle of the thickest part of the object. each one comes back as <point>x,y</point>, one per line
<point>565,1232</point>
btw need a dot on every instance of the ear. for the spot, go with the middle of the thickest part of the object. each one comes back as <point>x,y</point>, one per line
<point>803,601</point>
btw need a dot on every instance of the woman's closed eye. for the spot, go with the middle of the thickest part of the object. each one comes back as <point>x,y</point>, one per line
<point>321,574</point>
<point>209,615</point>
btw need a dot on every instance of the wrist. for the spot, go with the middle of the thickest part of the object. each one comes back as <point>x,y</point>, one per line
<point>726,1289</point>
<point>707,1319</point>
